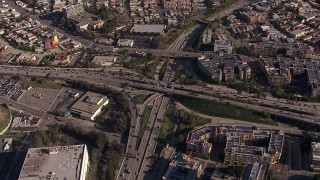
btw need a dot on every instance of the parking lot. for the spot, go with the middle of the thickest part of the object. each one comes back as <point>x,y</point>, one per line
<point>144,42</point>
<point>41,102</point>
<point>6,86</point>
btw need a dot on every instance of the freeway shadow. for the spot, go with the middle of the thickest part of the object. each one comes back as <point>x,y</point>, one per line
<point>300,177</point>
<point>157,170</point>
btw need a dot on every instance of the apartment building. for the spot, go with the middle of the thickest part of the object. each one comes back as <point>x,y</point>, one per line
<point>184,167</point>
<point>235,138</point>
<point>221,67</point>
<point>223,45</point>
<point>72,10</point>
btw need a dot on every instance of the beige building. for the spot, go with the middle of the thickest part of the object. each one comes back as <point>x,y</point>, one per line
<point>236,137</point>
<point>89,105</point>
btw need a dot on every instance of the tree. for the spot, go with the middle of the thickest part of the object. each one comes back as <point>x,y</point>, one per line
<point>266,115</point>
<point>271,176</point>
<point>180,138</point>
<point>208,3</point>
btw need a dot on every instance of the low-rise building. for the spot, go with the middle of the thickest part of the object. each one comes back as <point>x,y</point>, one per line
<point>25,123</point>
<point>315,156</point>
<point>61,59</point>
<point>207,36</point>
<point>297,33</point>
<point>58,162</point>
<point>104,60</point>
<point>148,28</point>
<point>184,168</point>
<point>125,43</point>
<point>29,59</point>
<point>83,26</point>
<point>89,105</point>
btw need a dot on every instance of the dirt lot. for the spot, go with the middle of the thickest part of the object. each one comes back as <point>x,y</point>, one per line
<point>43,103</point>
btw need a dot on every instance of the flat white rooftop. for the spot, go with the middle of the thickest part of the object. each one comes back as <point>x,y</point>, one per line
<point>148,28</point>
<point>59,162</point>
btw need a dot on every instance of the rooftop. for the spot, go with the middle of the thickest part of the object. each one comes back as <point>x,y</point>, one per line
<point>59,162</point>
<point>255,171</point>
<point>183,168</point>
<point>89,103</point>
<point>148,28</point>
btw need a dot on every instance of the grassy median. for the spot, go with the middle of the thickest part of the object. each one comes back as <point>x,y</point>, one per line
<point>144,120</point>
<point>225,110</point>
<point>140,98</point>
<point>166,127</point>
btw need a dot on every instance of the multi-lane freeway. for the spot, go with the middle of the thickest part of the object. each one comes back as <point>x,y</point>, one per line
<point>116,81</point>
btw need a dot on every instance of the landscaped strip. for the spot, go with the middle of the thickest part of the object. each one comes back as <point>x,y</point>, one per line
<point>225,110</point>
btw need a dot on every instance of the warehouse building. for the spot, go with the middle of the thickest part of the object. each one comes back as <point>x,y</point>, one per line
<point>148,28</point>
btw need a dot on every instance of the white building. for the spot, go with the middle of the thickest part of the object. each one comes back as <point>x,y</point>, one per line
<point>297,33</point>
<point>58,162</point>
<point>104,60</point>
<point>223,45</point>
<point>89,105</point>
<point>148,28</point>
<point>125,43</point>
<point>83,25</point>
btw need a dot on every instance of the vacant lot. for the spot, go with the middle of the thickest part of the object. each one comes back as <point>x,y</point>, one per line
<point>144,120</point>
<point>219,109</point>
<point>48,96</point>
<point>42,83</point>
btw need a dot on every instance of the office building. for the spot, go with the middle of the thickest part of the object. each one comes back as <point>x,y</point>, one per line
<point>59,162</point>
<point>89,105</point>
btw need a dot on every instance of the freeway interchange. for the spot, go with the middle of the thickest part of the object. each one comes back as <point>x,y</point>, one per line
<point>279,107</point>
<point>138,158</point>
<point>304,111</point>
